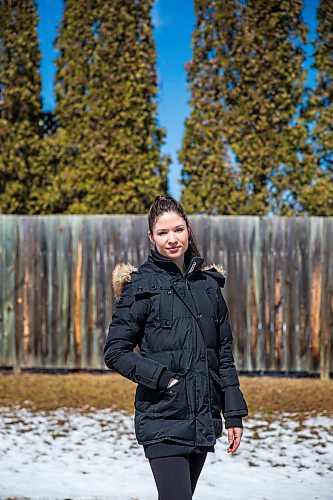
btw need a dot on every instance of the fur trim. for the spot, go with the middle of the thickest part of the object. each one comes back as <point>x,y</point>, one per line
<point>218,268</point>
<point>121,275</point>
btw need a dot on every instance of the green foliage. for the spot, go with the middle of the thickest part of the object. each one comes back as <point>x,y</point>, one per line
<point>20,105</point>
<point>247,74</point>
<point>109,138</point>
<point>208,177</point>
<point>266,88</point>
<point>252,143</point>
<point>318,195</point>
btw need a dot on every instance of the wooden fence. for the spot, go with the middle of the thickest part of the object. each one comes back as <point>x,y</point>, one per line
<point>56,296</point>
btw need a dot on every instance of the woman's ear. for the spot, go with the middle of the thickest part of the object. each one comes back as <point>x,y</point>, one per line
<point>189,230</point>
<point>151,238</point>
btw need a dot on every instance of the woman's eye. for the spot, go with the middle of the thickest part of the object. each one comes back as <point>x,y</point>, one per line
<point>179,230</point>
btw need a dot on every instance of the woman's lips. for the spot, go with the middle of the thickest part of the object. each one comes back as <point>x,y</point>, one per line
<point>174,250</point>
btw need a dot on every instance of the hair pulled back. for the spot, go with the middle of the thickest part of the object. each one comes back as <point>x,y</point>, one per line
<point>166,203</point>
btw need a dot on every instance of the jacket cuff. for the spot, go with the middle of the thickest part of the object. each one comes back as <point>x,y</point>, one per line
<point>234,402</point>
<point>164,379</point>
<point>233,422</point>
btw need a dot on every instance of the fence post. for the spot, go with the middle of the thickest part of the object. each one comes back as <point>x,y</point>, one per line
<point>325,353</point>
<point>16,356</point>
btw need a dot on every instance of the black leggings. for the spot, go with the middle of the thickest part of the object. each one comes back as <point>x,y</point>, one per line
<point>176,477</point>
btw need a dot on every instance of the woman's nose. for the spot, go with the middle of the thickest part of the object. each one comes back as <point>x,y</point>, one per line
<point>172,237</point>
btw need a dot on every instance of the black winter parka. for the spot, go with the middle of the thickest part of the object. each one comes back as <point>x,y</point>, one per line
<point>181,326</point>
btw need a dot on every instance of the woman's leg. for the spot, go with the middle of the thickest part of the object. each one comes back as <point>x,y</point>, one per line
<point>196,463</point>
<point>172,477</point>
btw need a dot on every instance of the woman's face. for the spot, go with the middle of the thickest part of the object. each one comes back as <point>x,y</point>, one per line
<point>170,235</point>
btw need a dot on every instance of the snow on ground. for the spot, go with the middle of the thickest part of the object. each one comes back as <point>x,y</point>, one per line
<point>67,454</point>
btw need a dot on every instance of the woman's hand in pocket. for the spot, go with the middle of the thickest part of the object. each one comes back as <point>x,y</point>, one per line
<point>172,382</point>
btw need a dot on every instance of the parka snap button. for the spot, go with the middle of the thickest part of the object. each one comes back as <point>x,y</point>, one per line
<point>202,357</point>
<point>169,292</point>
<point>209,438</point>
<point>154,287</point>
<point>199,315</point>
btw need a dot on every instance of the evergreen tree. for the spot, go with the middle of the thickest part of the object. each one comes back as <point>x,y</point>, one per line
<point>62,150</point>
<point>266,89</point>
<point>317,196</point>
<point>210,181</point>
<point>20,105</point>
<point>257,58</point>
<point>106,87</point>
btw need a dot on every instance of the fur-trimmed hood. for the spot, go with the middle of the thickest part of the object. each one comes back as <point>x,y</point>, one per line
<point>122,274</point>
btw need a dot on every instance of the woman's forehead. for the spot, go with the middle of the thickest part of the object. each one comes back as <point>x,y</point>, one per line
<point>168,220</point>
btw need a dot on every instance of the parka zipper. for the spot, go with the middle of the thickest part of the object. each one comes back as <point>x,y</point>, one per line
<point>190,271</point>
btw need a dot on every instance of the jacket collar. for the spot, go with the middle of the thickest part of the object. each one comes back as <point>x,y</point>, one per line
<point>192,262</point>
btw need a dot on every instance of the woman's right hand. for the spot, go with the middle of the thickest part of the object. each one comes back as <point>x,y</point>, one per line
<point>172,382</point>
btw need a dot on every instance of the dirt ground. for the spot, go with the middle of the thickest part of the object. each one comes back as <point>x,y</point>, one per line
<point>264,395</point>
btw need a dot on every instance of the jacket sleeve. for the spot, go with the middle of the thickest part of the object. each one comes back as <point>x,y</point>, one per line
<point>125,332</point>
<point>234,402</point>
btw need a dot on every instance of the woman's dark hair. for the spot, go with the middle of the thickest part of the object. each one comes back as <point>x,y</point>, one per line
<point>166,203</point>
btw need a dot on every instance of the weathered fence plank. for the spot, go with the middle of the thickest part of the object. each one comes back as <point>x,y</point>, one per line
<point>56,295</point>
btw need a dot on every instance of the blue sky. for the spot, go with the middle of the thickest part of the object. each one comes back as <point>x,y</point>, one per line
<point>174,22</point>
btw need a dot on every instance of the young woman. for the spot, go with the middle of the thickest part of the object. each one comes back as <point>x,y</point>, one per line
<point>173,309</point>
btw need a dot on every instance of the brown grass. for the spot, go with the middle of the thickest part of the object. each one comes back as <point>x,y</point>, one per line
<point>85,391</point>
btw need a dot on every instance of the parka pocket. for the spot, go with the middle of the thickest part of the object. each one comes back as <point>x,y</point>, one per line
<point>166,308</point>
<point>145,398</point>
<point>211,293</point>
<point>216,392</point>
<point>172,403</point>
<point>125,301</point>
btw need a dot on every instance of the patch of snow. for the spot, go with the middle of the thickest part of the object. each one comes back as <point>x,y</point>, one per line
<point>71,454</point>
